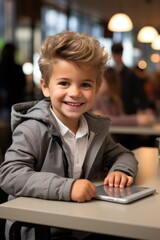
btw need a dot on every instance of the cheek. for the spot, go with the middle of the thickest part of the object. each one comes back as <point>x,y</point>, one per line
<point>58,94</point>
<point>91,96</point>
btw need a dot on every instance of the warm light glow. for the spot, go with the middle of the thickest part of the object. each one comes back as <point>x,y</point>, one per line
<point>27,68</point>
<point>156,43</point>
<point>147,34</point>
<point>155,58</point>
<point>142,64</point>
<point>120,22</point>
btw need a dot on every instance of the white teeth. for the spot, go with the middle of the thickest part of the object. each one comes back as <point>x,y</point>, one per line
<point>74,104</point>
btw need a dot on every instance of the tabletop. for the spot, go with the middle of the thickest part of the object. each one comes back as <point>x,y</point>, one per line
<point>136,130</point>
<point>140,219</point>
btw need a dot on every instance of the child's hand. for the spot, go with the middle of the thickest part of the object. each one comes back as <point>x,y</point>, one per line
<point>118,179</point>
<point>83,190</point>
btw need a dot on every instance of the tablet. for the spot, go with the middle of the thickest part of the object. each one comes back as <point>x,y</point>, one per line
<point>123,195</point>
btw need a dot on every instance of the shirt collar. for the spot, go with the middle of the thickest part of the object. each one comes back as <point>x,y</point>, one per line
<point>82,130</point>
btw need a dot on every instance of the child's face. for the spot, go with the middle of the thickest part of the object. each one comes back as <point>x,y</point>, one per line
<point>72,90</point>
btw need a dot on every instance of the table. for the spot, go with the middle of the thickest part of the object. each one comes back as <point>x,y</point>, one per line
<point>140,219</point>
<point>136,130</point>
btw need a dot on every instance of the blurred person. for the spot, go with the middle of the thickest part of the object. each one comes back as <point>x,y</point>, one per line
<point>108,103</point>
<point>147,89</point>
<point>129,90</point>
<point>156,82</point>
<point>12,80</point>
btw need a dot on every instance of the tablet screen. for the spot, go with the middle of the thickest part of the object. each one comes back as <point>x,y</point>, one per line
<point>121,192</point>
<point>122,195</point>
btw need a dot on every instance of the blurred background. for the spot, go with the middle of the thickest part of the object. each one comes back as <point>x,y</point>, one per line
<point>133,23</point>
<point>27,23</point>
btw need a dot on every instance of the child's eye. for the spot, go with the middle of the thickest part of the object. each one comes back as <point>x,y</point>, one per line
<point>86,85</point>
<point>63,83</point>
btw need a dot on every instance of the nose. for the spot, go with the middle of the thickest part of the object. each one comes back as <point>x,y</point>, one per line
<point>74,91</point>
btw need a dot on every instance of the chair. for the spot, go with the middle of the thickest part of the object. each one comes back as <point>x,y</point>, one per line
<point>3,198</point>
<point>41,232</point>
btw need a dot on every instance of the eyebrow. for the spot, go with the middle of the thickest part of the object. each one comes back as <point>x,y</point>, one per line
<point>68,79</point>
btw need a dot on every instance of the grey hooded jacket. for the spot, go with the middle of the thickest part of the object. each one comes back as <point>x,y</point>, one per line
<point>34,164</point>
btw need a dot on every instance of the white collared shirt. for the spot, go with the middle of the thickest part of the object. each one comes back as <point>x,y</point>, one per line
<point>77,143</point>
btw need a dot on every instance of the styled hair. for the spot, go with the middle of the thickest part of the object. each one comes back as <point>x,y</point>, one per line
<point>72,46</point>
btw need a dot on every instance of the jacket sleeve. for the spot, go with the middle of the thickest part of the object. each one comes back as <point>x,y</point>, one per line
<point>126,163</point>
<point>28,169</point>
<point>119,158</point>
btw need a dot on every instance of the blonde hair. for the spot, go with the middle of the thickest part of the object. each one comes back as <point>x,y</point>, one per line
<point>72,46</point>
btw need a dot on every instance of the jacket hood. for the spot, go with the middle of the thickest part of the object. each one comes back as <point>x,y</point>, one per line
<point>38,110</point>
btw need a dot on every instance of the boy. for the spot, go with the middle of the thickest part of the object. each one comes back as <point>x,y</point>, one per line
<point>58,147</point>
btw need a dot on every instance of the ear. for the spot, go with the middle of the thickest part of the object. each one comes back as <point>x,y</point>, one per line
<point>45,88</point>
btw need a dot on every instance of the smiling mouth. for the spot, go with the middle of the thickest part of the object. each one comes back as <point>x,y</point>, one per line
<point>73,104</point>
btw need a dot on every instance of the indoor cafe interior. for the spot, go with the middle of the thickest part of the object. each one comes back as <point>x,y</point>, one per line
<point>133,26</point>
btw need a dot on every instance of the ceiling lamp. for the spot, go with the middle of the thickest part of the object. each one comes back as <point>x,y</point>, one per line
<point>120,22</point>
<point>156,43</point>
<point>147,34</point>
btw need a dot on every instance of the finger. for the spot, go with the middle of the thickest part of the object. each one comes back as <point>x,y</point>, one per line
<point>110,180</point>
<point>123,181</point>
<point>105,182</point>
<point>117,180</point>
<point>92,190</point>
<point>126,181</point>
<point>89,193</point>
<point>81,199</point>
<point>88,197</point>
<point>129,181</point>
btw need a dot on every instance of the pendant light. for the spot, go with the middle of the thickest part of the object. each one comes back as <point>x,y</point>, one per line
<point>147,34</point>
<point>156,43</point>
<point>120,22</point>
